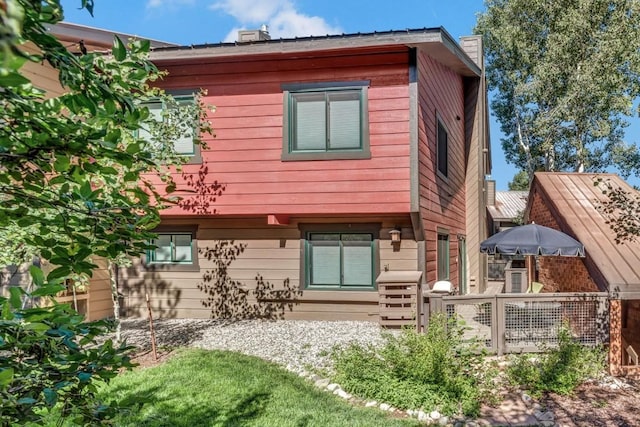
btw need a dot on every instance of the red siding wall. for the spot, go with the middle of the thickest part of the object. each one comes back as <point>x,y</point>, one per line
<point>558,274</point>
<point>442,200</point>
<point>245,154</point>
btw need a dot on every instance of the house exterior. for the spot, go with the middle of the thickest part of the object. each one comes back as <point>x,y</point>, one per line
<point>505,209</point>
<point>570,202</point>
<point>326,149</point>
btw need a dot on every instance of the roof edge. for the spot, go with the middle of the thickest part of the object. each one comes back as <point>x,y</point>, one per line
<point>409,37</point>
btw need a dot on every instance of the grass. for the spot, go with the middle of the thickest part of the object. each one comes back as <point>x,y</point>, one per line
<point>217,388</point>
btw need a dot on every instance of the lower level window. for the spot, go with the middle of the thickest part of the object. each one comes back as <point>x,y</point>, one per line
<point>339,260</point>
<point>174,248</point>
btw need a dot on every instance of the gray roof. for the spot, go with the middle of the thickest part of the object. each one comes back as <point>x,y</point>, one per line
<point>509,205</point>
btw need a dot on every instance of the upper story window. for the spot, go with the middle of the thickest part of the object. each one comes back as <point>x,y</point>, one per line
<point>443,149</point>
<point>184,145</point>
<point>326,121</point>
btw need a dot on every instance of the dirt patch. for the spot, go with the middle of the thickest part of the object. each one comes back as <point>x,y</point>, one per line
<point>146,358</point>
<point>612,403</point>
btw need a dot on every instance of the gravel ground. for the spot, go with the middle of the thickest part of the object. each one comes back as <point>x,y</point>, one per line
<point>294,344</point>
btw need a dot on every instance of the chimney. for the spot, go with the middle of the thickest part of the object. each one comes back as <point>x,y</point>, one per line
<point>247,36</point>
<point>491,192</point>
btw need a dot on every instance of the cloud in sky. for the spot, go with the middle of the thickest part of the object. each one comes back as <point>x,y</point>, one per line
<point>152,4</point>
<point>282,17</point>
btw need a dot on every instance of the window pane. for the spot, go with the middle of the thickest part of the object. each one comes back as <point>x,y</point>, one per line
<point>155,113</point>
<point>325,263</point>
<point>344,120</point>
<point>184,144</point>
<point>323,236</point>
<point>182,244</point>
<point>310,122</point>
<point>357,237</point>
<point>443,257</point>
<point>443,149</point>
<point>163,251</point>
<point>357,263</point>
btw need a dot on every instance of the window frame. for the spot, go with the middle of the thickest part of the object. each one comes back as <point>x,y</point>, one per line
<point>443,257</point>
<point>193,265</point>
<point>442,159</point>
<point>288,129</point>
<point>306,230</point>
<point>180,96</point>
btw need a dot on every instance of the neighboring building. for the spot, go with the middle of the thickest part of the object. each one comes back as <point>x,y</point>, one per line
<point>95,300</point>
<point>570,202</point>
<point>325,148</point>
<point>505,208</point>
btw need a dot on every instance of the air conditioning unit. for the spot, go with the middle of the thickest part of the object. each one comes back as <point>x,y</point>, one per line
<point>516,277</point>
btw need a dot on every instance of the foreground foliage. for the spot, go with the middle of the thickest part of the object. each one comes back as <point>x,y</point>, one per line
<point>83,174</point>
<point>216,388</point>
<point>435,370</point>
<point>51,358</point>
<point>560,369</point>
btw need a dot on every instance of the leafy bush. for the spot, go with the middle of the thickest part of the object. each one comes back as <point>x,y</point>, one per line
<point>560,369</point>
<point>50,357</point>
<point>435,370</point>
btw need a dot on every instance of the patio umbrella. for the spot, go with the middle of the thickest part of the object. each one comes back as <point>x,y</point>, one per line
<point>532,239</point>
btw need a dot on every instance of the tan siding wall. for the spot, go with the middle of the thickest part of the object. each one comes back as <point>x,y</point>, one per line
<point>42,75</point>
<point>100,301</point>
<point>254,250</point>
<point>442,200</point>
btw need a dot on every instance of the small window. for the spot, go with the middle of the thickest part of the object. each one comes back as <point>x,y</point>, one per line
<point>340,260</point>
<point>172,248</point>
<point>443,150</point>
<point>184,145</point>
<point>325,123</point>
<point>443,256</point>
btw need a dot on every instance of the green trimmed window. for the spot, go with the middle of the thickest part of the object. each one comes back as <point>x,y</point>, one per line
<point>184,145</point>
<point>339,260</point>
<point>443,256</point>
<point>326,123</point>
<point>172,248</point>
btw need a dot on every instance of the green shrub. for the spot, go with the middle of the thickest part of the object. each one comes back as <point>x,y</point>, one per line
<point>431,371</point>
<point>560,369</point>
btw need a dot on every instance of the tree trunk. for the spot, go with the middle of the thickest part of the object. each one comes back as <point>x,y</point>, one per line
<point>113,278</point>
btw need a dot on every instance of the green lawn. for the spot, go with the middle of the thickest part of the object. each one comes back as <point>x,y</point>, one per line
<point>215,388</point>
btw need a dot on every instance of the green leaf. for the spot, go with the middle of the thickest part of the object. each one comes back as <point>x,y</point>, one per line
<point>27,401</point>
<point>12,79</point>
<point>36,326</point>
<point>119,50</point>
<point>6,376</point>
<point>15,296</point>
<point>62,164</point>
<point>59,273</point>
<point>48,290</point>
<point>84,376</point>
<point>50,397</point>
<point>37,275</point>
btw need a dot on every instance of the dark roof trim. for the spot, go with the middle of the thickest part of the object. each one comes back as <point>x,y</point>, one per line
<point>422,38</point>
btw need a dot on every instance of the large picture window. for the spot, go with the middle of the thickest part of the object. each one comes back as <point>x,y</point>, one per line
<point>339,260</point>
<point>326,122</point>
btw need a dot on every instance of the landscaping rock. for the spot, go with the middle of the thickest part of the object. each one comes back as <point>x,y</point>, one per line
<point>385,406</point>
<point>434,415</point>
<point>371,404</point>
<point>333,387</point>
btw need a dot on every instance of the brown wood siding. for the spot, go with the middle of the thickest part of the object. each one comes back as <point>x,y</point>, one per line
<point>42,75</point>
<point>442,199</point>
<point>100,301</point>
<point>272,253</point>
<point>245,155</point>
